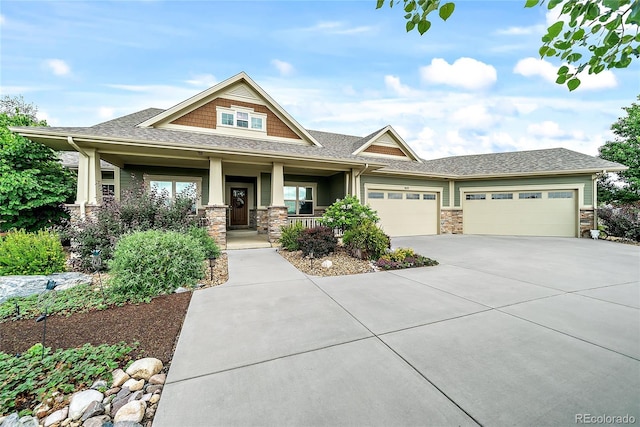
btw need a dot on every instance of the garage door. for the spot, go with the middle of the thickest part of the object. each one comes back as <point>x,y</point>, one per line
<point>405,213</point>
<point>521,213</point>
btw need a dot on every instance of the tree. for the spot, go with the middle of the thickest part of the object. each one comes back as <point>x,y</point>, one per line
<point>624,149</point>
<point>591,35</point>
<point>33,182</point>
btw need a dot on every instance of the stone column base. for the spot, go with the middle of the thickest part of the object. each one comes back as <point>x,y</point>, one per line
<point>277,217</point>
<point>217,223</point>
<point>262,221</point>
<point>587,222</point>
<point>451,221</point>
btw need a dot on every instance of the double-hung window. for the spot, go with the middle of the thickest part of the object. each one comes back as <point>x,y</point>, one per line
<point>299,199</point>
<point>241,118</point>
<point>174,186</point>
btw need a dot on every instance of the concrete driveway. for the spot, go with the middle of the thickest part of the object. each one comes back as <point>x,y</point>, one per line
<point>505,331</point>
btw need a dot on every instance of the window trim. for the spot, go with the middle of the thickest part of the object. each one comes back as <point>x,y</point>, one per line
<point>177,178</point>
<point>251,114</point>
<point>314,196</point>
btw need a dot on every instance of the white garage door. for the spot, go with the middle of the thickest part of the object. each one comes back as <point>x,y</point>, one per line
<point>521,213</point>
<point>405,213</point>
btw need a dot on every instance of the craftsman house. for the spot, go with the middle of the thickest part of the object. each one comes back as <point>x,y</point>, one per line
<point>254,166</point>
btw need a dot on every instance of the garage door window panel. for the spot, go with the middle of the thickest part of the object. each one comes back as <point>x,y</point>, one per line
<point>561,194</point>
<point>502,196</point>
<point>413,196</point>
<point>476,197</point>
<point>526,196</point>
<point>375,195</point>
<point>394,196</point>
<point>428,197</point>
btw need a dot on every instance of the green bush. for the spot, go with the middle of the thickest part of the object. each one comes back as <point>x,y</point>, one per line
<point>367,241</point>
<point>347,214</point>
<point>290,235</point>
<point>319,240</point>
<point>31,253</point>
<point>153,262</point>
<point>210,247</point>
<point>621,220</point>
<point>403,258</point>
<point>33,376</point>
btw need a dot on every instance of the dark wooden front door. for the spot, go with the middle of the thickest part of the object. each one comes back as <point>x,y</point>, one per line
<point>239,208</point>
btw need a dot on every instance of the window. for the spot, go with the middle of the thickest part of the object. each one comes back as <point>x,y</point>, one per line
<point>530,195</point>
<point>108,191</point>
<point>299,199</point>
<point>561,194</point>
<point>476,197</point>
<point>375,195</point>
<point>174,186</point>
<point>428,197</point>
<point>241,118</point>
<point>394,196</point>
<point>502,196</point>
<point>413,196</point>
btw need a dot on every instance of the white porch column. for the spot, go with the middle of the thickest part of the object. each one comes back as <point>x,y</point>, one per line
<point>277,185</point>
<point>82,190</point>
<point>354,187</point>
<point>94,187</point>
<point>216,193</point>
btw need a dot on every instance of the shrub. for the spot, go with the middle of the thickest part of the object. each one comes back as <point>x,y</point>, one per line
<point>139,209</point>
<point>367,241</point>
<point>622,221</point>
<point>31,253</point>
<point>290,235</point>
<point>403,258</point>
<point>209,246</point>
<point>34,376</point>
<point>153,262</point>
<point>347,214</point>
<point>319,240</point>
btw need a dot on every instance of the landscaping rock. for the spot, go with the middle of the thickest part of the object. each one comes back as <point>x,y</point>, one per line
<point>144,368</point>
<point>124,393</point>
<point>132,411</point>
<point>98,421</point>
<point>127,424</point>
<point>41,410</point>
<point>181,289</point>
<point>135,396</point>
<point>119,378</point>
<point>111,391</point>
<point>11,286</point>
<point>326,264</point>
<point>154,399</point>
<point>158,379</point>
<point>80,401</point>
<point>133,385</point>
<point>154,388</point>
<point>56,417</point>
<point>94,409</point>
<point>11,421</point>
<point>98,384</point>
<point>117,404</point>
<point>146,397</point>
<point>29,421</point>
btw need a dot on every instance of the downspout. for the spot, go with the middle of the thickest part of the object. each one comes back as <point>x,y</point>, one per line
<point>80,150</point>
<point>366,166</point>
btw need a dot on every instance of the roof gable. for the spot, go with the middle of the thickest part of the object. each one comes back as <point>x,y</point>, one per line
<point>385,143</point>
<point>202,112</point>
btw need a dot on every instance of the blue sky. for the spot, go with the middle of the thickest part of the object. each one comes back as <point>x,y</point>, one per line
<point>471,85</point>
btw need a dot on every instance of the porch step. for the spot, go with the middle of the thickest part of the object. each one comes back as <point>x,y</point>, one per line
<point>246,239</point>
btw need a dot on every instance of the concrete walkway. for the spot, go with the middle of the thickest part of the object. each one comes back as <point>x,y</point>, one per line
<point>517,331</point>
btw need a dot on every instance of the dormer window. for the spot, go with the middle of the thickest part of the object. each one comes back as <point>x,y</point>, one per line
<point>242,118</point>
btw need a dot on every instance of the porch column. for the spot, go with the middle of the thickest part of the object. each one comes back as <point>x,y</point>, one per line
<point>353,187</point>
<point>82,189</point>
<point>95,177</point>
<point>277,212</point>
<point>277,185</point>
<point>216,194</point>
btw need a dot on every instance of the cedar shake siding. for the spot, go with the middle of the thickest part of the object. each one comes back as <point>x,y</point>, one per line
<point>379,149</point>
<point>205,117</point>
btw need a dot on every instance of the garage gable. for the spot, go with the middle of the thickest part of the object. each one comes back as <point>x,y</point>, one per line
<point>386,143</point>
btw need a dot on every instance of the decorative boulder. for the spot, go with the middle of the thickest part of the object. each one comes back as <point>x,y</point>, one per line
<point>144,368</point>
<point>56,417</point>
<point>119,378</point>
<point>327,264</point>
<point>132,411</point>
<point>133,385</point>
<point>80,402</point>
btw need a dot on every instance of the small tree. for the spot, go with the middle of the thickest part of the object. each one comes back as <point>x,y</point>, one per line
<point>348,213</point>
<point>33,182</point>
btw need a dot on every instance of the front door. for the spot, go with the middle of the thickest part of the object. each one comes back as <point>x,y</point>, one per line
<point>239,208</point>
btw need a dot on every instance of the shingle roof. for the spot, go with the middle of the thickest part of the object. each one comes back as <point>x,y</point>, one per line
<point>69,159</point>
<point>339,147</point>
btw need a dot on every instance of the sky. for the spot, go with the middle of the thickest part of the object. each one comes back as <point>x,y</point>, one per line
<point>474,84</point>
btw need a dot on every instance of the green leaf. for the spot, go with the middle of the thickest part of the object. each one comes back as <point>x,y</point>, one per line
<point>446,10</point>
<point>596,28</point>
<point>531,3</point>
<point>593,11</point>
<point>561,79</point>
<point>634,16</point>
<point>423,26</point>
<point>563,70</point>
<point>410,6</point>
<point>551,52</point>
<point>379,4</point>
<point>611,39</point>
<point>553,3</point>
<point>578,34</point>
<point>543,50</point>
<point>410,25</point>
<point>612,4</point>
<point>573,84</point>
<point>555,29</point>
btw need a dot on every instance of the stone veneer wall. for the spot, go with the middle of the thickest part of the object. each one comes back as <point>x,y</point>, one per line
<point>262,221</point>
<point>451,221</point>
<point>277,217</point>
<point>587,221</point>
<point>74,213</point>
<point>217,224</point>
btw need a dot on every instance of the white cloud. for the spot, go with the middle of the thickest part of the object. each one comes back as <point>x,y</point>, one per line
<point>337,27</point>
<point>284,68</point>
<point>202,80</point>
<point>521,31</point>
<point>475,117</point>
<point>530,67</point>
<point>3,20</point>
<point>106,112</point>
<point>466,73</point>
<point>393,83</point>
<point>58,67</point>
<point>546,129</point>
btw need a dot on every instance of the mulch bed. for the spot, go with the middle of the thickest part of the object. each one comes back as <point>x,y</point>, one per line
<point>342,263</point>
<point>155,326</point>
